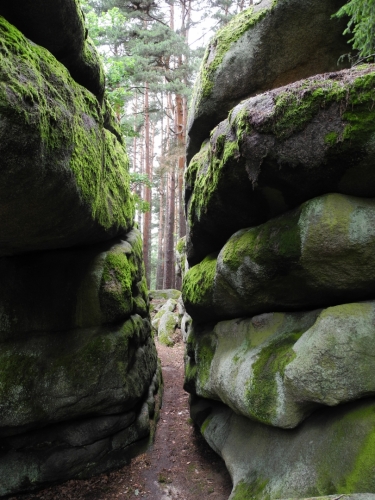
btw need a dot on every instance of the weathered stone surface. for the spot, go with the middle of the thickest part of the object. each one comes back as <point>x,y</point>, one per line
<point>167,326</point>
<point>182,265</point>
<point>68,375</point>
<point>76,288</point>
<point>278,367</point>
<point>268,45</point>
<point>331,452</point>
<point>318,255</point>
<point>76,190</point>
<point>79,376</point>
<point>59,27</point>
<point>77,448</point>
<point>279,149</point>
<point>186,325</point>
<point>169,306</point>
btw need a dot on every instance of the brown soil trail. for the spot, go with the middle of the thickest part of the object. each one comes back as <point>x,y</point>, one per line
<point>179,465</point>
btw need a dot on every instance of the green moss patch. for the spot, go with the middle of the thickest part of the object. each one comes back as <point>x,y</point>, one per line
<point>250,491</point>
<point>205,351</point>
<point>280,236</point>
<point>261,392</point>
<point>116,286</point>
<point>198,282</point>
<point>222,41</point>
<point>208,172</point>
<point>299,103</point>
<point>37,92</point>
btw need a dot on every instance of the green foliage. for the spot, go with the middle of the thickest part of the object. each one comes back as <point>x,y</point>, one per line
<point>361,25</point>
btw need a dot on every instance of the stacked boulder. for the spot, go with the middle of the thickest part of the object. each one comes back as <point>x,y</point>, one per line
<point>79,376</point>
<point>281,217</point>
<point>167,311</point>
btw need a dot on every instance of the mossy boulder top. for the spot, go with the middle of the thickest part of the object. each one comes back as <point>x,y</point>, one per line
<point>277,368</point>
<point>59,27</point>
<point>279,149</point>
<point>318,255</point>
<point>64,176</point>
<point>272,43</point>
<point>330,452</point>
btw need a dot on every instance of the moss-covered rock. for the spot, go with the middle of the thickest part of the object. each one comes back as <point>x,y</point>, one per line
<point>266,46</point>
<point>167,327</point>
<point>64,178</point>
<point>181,262</point>
<point>169,306</point>
<point>332,452</point>
<point>78,448</point>
<point>279,367</point>
<point>76,288</point>
<point>318,255</point>
<point>59,27</point>
<point>279,149</point>
<point>72,374</point>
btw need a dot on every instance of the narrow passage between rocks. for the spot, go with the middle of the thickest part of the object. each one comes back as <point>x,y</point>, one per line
<point>179,465</point>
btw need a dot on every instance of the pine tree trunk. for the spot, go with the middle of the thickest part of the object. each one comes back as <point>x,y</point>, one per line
<point>160,263</point>
<point>147,190</point>
<point>170,261</point>
<point>180,132</point>
<point>166,199</point>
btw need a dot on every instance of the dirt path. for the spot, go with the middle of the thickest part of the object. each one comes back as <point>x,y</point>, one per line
<point>180,465</point>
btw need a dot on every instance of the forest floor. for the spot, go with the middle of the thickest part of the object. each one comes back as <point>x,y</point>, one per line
<point>178,466</point>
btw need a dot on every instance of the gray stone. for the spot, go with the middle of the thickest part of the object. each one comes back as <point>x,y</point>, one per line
<point>331,452</point>
<point>61,290</point>
<point>71,374</point>
<point>169,306</point>
<point>61,452</point>
<point>54,150</point>
<point>167,326</point>
<point>277,150</point>
<point>59,27</point>
<point>186,324</point>
<point>181,262</point>
<point>318,255</point>
<point>268,45</point>
<point>277,368</point>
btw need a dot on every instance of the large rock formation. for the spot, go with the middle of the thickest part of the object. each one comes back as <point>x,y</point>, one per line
<point>59,27</point>
<point>256,162</point>
<point>272,43</point>
<point>281,285</point>
<point>79,377</point>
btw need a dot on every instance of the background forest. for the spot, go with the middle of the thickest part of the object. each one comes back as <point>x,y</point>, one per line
<point>151,53</point>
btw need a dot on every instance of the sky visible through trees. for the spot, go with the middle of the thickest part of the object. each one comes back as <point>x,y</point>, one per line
<point>151,52</point>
